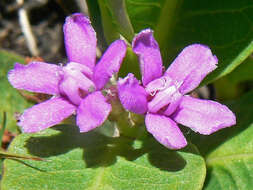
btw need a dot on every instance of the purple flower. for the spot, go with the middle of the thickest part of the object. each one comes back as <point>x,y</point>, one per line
<point>76,87</point>
<point>161,97</point>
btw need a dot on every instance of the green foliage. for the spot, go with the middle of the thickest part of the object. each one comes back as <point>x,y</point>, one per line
<point>235,82</point>
<point>230,163</point>
<point>243,72</point>
<point>225,27</point>
<point>92,161</point>
<point>11,101</point>
<point>229,152</point>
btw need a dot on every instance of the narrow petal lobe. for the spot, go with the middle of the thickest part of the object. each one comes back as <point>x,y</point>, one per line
<point>191,66</point>
<point>109,63</point>
<point>80,40</point>
<point>132,95</point>
<point>203,116</point>
<point>92,111</point>
<point>146,47</point>
<point>45,114</point>
<point>36,77</point>
<point>165,131</point>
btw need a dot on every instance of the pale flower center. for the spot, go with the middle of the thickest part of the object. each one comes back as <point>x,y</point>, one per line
<point>164,95</point>
<point>75,85</point>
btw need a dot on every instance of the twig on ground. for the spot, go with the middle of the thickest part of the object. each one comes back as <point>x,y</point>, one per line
<point>26,29</point>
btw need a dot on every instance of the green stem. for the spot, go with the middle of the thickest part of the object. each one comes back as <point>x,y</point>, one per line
<point>119,12</point>
<point>164,28</point>
<point>109,28</point>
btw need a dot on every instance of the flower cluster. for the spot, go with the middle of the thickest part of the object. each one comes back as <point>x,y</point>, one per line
<point>161,96</point>
<point>77,86</point>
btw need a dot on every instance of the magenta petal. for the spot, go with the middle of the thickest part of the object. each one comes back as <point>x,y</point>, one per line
<point>132,95</point>
<point>165,131</point>
<point>18,65</point>
<point>146,47</point>
<point>203,116</point>
<point>191,66</point>
<point>36,77</point>
<point>45,114</point>
<point>109,63</point>
<point>92,111</point>
<point>80,40</point>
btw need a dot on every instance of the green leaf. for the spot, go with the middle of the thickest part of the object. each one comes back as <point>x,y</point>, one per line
<point>179,23</point>
<point>230,164</point>
<point>229,152</point>
<point>213,24</point>
<point>242,72</point>
<point>236,82</point>
<point>11,101</point>
<point>93,161</point>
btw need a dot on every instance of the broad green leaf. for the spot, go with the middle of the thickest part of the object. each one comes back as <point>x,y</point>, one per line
<point>230,166</point>
<point>231,90</point>
<point>229,152</point>
<point>10,100</point>
<point>235,82</point>
<point>226,27</point>
<point>178,24</point>
<point>242,72</point>
<point>92,161</point>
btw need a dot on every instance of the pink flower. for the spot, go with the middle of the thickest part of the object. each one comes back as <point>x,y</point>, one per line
<point>76,87</point>
<point>161,97</point>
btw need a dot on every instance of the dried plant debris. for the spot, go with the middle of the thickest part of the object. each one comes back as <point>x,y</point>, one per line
<point>45,19</point>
